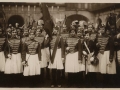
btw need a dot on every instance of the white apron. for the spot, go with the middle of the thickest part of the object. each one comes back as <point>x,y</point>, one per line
<point>43,63</point>
<point>14,65</point>
<point>2,61</point>
<point>71,63</point>
<point>103,63</point>
<point>57,64</point>
<point>33,67</point>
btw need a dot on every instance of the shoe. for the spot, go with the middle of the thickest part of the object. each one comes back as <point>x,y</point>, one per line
<point>52,86</point>
<point>59,86</point>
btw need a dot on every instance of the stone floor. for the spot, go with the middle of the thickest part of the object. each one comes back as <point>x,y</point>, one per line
<point>16,82</point>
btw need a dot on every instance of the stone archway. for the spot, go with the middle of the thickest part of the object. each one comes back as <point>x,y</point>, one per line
<point>75,17</point>
<point>16,19</point>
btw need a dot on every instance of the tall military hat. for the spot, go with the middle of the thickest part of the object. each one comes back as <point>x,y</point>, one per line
<point>102,26</point>
<point>39,26</point>
<point>40,22</point>
<point>76,22</point>
<point>32,31</point>
<point>55,28</point>
<point>25,29</point>
<point>80,27</point>
<point>89,23</point>
<point>64,29</point>
<point>82,23</point>
<point>72,29</point>
<point>87,32</point>
<point>73,23</point>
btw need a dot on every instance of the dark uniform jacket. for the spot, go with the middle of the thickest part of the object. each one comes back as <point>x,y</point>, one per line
<point>91,46</point>
<point>46,42</point>
<point>2,43</point>
<point>116,43</point>
<point>40,39</point>
<point>74,45</point>
<point>93,36</point>
<point>80,47</point>
<point>31,47</point>
<point>106,43</point>
<point>13,46</point>
<point>60,45</point>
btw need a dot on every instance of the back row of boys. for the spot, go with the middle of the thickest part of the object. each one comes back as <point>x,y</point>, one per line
<point>77,52</point>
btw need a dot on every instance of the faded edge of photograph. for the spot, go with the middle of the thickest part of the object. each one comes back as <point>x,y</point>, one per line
<point>59,45</point>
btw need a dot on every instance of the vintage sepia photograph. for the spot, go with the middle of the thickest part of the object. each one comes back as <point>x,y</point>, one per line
<point>59,44</point>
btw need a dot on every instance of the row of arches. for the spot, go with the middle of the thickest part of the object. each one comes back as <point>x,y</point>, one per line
<point>19,19</point>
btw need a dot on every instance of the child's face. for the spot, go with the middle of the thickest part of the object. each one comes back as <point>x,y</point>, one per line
<point>92,36</point>
<point>18,31</point>
<point>8,30</point>
<point>55,32</point>
<point>87,36</point>
<point>82,28</point>
<point>107,32</point>
<point>41,27</point>
<point>38,32</point>
<point>14,33</point>
<point>31,35</point>
<point>90,28</point>
<point>79,33</point>
<point>72,33</point>
<point>26,32</point>
<point>102,30</point>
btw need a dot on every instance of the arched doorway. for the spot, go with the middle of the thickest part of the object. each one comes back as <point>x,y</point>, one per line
<point>75,17</point>
<point>16,19</point>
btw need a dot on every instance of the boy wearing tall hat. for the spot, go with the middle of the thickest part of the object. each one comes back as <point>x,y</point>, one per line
<point>106,55</point>
<point>31,58</point>
<point>80,36</point>
<point>13,65</point>
<point>91,50</point>
<point>73,57</point>
<point>57,58</point>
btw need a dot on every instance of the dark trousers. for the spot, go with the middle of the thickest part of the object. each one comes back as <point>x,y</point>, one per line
<point>45,74</point>
<point>13,80</point>
<point>31,81</point>
<point>92,79</point>
<point>63,72</point>
<point>42,74</point>
<point>2,76</point>
<point>56,77</point>
<point>80,79</point>
<point>108,80</point>
<point>72,79</point>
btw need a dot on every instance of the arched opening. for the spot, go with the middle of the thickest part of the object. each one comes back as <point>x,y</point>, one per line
<point>75,17</point>
<point>16,19</point>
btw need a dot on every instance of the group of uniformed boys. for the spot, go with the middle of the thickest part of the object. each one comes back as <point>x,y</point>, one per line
<point>77,50</point>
